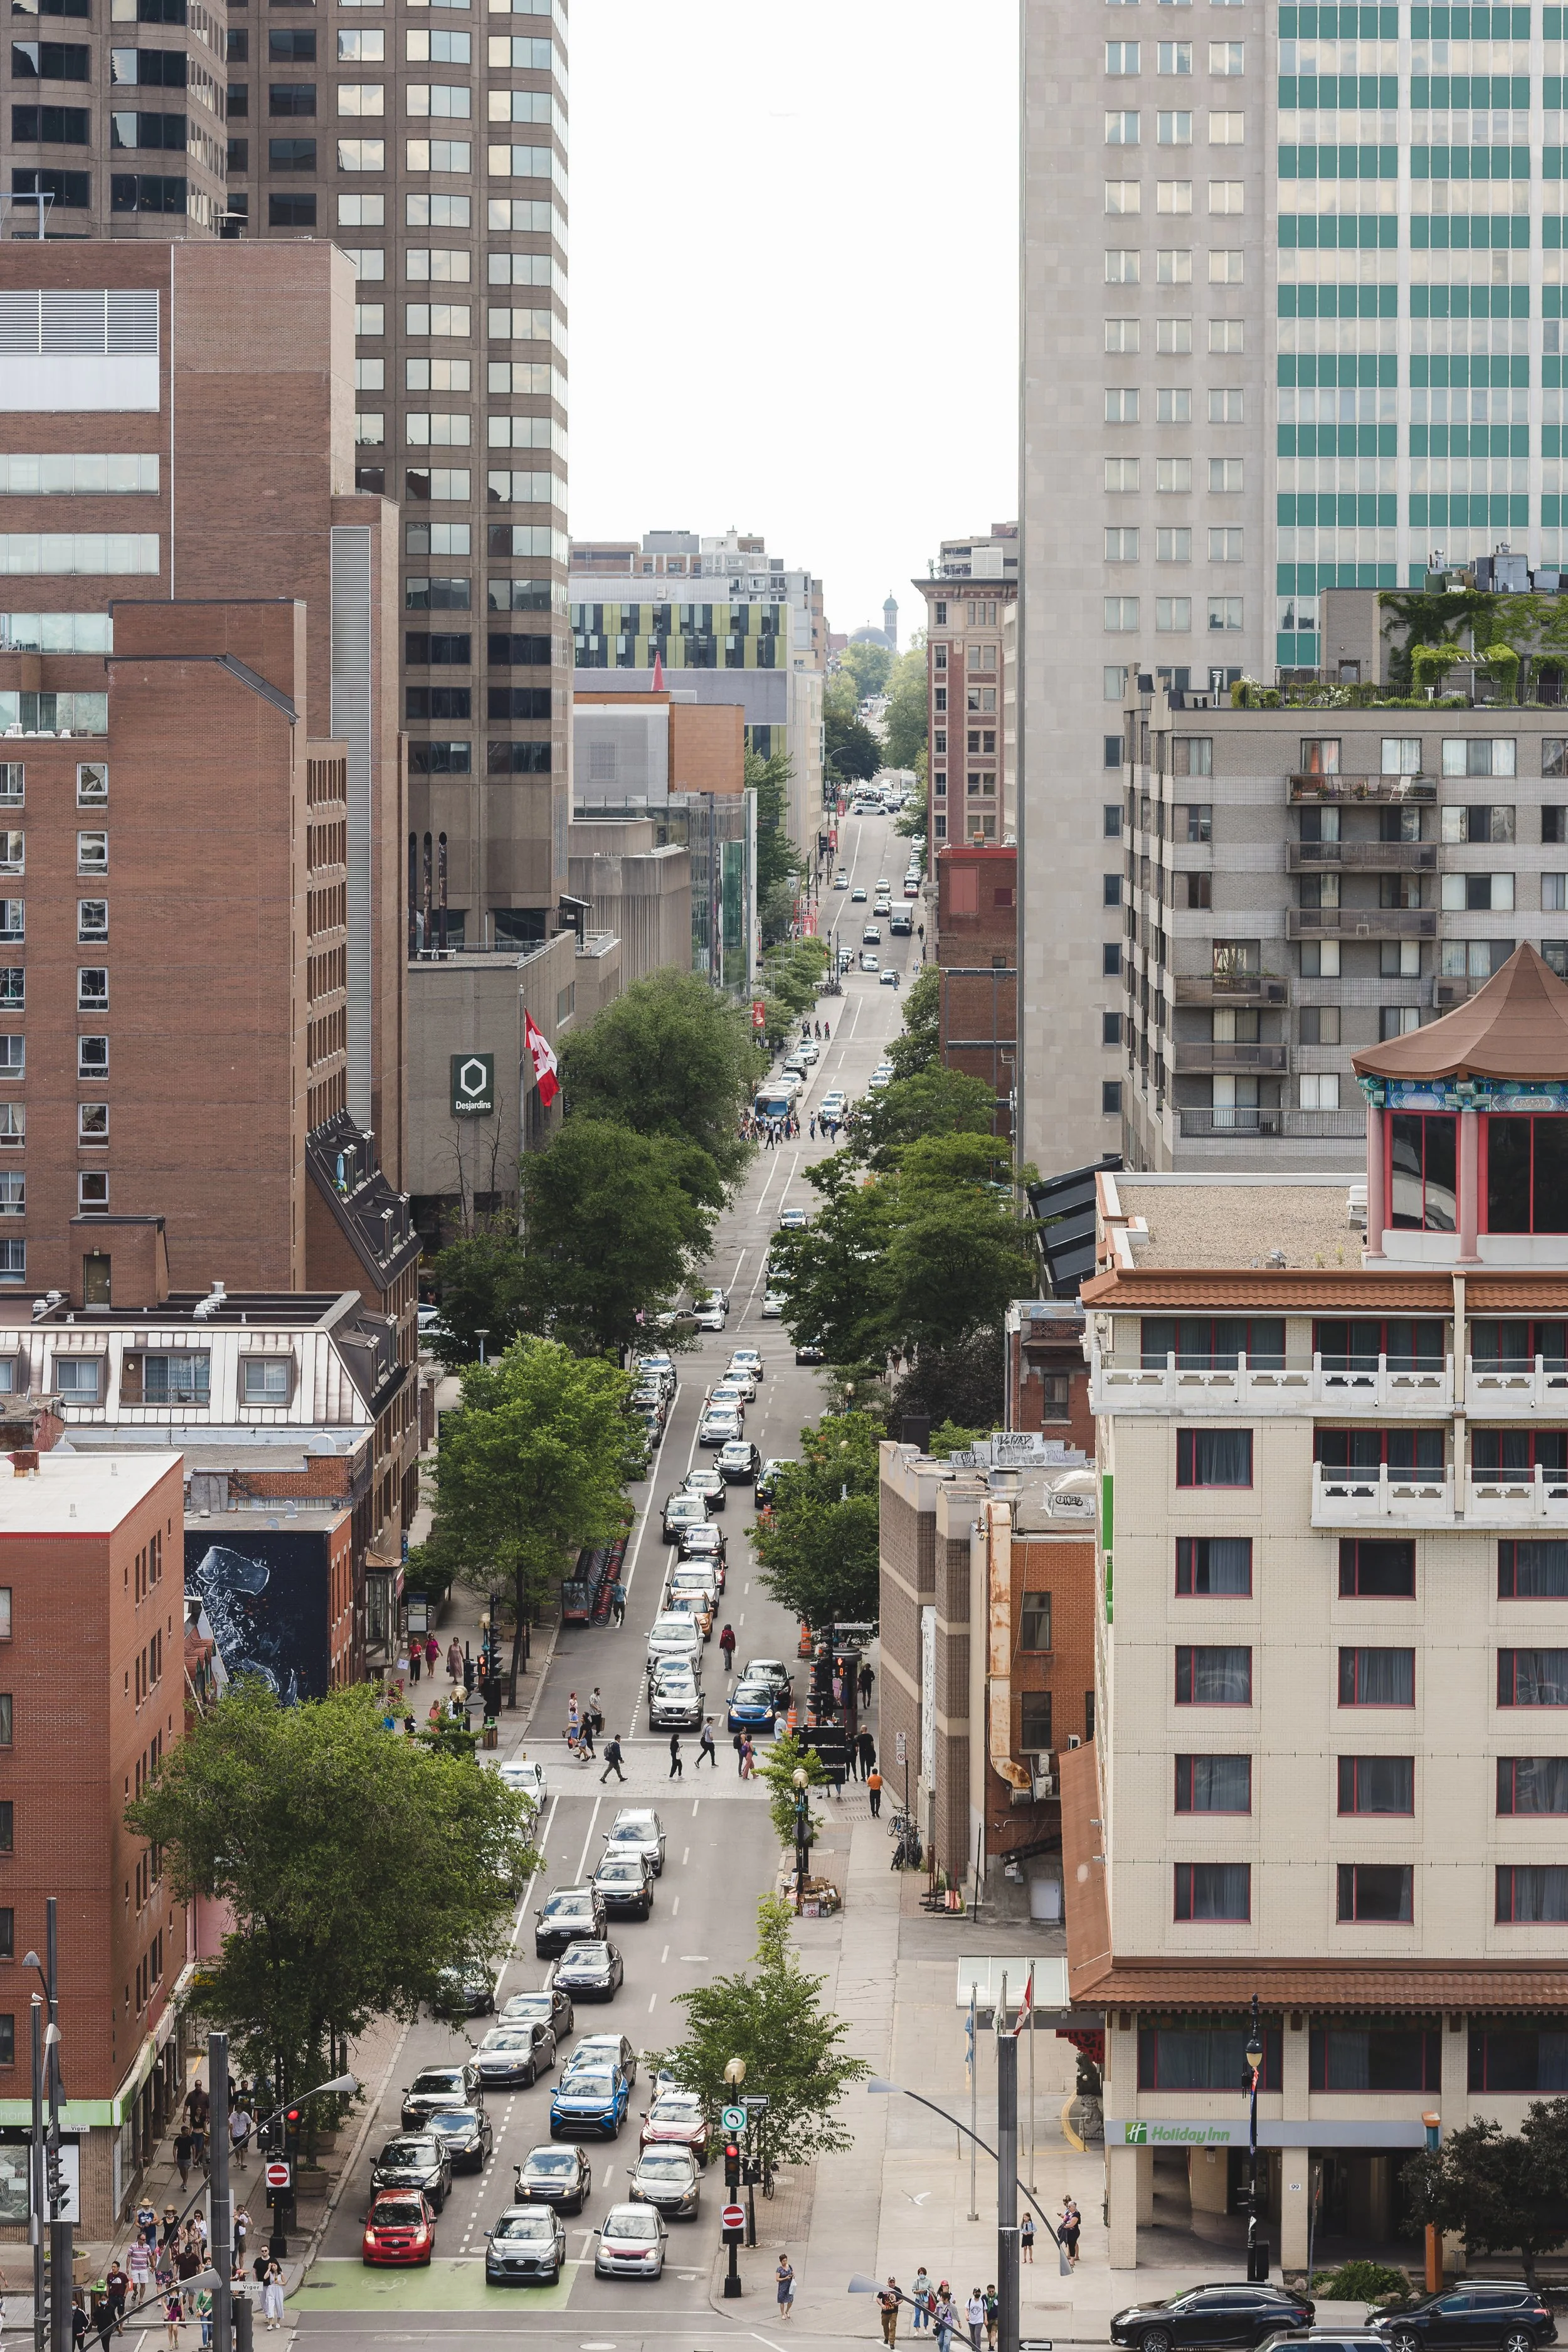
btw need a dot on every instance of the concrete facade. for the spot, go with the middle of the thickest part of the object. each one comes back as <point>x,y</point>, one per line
<point>637,890</point>
<point>971,622</point>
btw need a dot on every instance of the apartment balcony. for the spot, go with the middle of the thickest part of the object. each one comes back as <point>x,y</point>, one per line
<point>1250,1120</point>
<point>1350,1498</point>
<point>1373,789</point>
<point>1188,1060</point>
<point>1360,856</point>
<point>1504,1392</point>
<point>1229,988</point>
<point>1125,1385</point>
<point>1361,922</point>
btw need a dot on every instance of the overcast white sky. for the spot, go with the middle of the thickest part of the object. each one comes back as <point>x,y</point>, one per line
<point>793,278</point>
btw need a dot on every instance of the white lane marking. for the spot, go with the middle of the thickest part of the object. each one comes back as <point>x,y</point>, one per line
<point>588,1841</point>
<point>527,1897</point>
<point>675,1906</point>
<point>664,1955</point>
<point>746,1589</point>
<point>652,2002</point>
<point>685,1857</point>
<point>777,1160</point>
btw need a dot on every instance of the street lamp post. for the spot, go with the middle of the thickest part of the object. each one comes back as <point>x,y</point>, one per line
<point>482,1337</point>
<point>51,2092</point>
<point>1256,2247</point>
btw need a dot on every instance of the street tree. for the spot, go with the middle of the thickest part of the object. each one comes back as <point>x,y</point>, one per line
<point>817,1550</point>
<point>905,727</point>
<point>823,1270</point>
<point>935,1100</point>
<point>866,667</point>
<point>1501,2193</point>
<point>850,751</point>
<point>952,1264</point>
<point>615,1223</point>
<point>670,1057</point>
<point>774,2018</point>
<point>778,858</point>
<point>778,1764</point>
<point>917,1044</point>
<point>482,1285</point>
<point>531,1468</point>
<point>358,1866</point>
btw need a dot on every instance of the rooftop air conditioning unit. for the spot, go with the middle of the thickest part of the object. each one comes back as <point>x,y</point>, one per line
<point>1045,1781</point>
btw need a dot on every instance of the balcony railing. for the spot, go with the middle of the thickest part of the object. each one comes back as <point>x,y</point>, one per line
<point>1303,1124</point>
<point>1361,922</point>
<point>1348,1498</point>
<point>1361,856</point>
<point>1361,788</point>
<point>1230,988</point>
<point>1503,1390</point>
<point>1222,1057</point>
<point>1303,1387</point>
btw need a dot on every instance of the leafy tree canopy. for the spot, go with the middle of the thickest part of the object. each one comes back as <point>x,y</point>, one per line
<point>935,1100</point>
<point>919,1044</point>
<point>615,1223</point>
<point>778,858</point>
<point>851,750</point>
<point>482,1285</point>
<point>867,667</point>
<point>774,2018</point>
<point>667,1057</point>
<point>314,1824</point>
<point>1501,2193</point>
<point>818,1553</point>
<point>904,738</point>
<point>777,1765</point>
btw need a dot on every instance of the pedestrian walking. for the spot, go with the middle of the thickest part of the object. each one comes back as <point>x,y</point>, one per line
<point>147,2223</point>
<point>184,2147</point>
<point>727,1646</point>
<point>174,2310</point>
<point>888,2304</point>
<point>1026,2236</point>
<point>416,1661</point>
<point>874,1783</point>
<point>105,2323</point>
<point>618,1603</point>
<point>785,2279</point>
<point>79,2321</point>
<point>171,2226</point>
<point>432,1654</point>
<point>946,2318</point>
<point>586,1741</point>
<point>920,2297</point>
<point>1068,2230</point>
<point>593,1712</point>
<point>205,2313</point>
<point>139,2262</point>
<point>705,1745</point>
<point>241,2237</point>
<point>748,1759</point>
<point>992,2314</point>
<point>454,1660</point>
<point>814,1140</point>
<point>199,2142</point>
<point>974,2312</point>
<point>612,1760</point>
<point>273,2296</point>
<point>572,1717</point>
<point>116,2286</point>
<point>188,2262</point>
<point>868,1748</point>
<point>677,1769</point>
<point>240,2125</point>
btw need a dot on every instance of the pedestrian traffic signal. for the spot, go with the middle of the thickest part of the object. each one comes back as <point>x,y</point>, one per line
<point>732,2164</point>
<point>292,2133</point>
<point>53,2187</point>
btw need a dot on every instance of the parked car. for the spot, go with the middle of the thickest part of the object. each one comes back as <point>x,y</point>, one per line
<point>767,1477</point>
<point>1493,2312</point>
<point>591,2099</point>
<point>566,1916</point>
<point>752,1707</point>
<point>466,2134</point>
<point>676,2119</point>
<point>399,2229</point>
<point>624,1883</point>
<point>1223,2315</point>
<point>668,2179</point>
<point>591,1971</point>
<point>631,2244</point>
<point>605,2050</point>
<point>526,2248</point>
<point>547,2008</point>
<point>416,2160</point>
<point>554,2175</point>
<point>638,1827</point>
<point>738,1462</point>
<point>513,2056</point>
<point>435,2087</point>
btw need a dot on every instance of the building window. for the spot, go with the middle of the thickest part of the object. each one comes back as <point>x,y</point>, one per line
<point>1377,1569</point>
<point>1110,1097</point>
<point>8,1826</point>
<point>1376,1677</point>
<point>1379,1892</point>
<point>1197,2056</point>
<point>1531,1892</point>
<point>1526,1174</point>
<point>1213,1676</point>
<point>1480,755</point>
<point>1376,2058</point>
<point>266,1380</point>
<point>1533,1784</point>
<point>1377,1784</point>
<point>92,1058</point>
<point>1481,826</point>
<point>7,2032</point>
<point>1034,1722</point>
<point>76,1379</point>
<point>1213,1890</point>
<point>92,1193</point>
<point>1213,1457</point>
<point>1518,2058</point>
<point>1213,1784</point>
<point>1110,968</point>
<point>1533,1678</point>
<point>1208,1565</point>
<point>1422,1193</point>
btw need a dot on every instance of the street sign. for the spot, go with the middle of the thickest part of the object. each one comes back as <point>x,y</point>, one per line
<point>278,2174</point>
<point>755,2099</point>
<point>901,1747</point>
<point>733,2119</point>
<point>734,2217</point>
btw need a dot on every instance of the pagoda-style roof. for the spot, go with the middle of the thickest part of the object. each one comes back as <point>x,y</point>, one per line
<point>1515,1027</point>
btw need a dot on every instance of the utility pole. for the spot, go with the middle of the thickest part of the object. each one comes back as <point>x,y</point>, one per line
<point>221,2228</point>
<point>1007,2319</point>
<point>61,2265</point>
<point>36,2218</point>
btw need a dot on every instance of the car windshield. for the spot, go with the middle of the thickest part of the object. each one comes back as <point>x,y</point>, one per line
<point>439,2078</point>
<point>753,1693</point>
<point>676,2108</point>
<point>587,1955</point>
<point>550,2163</point>
<point>531,2004</point>
<point>621,1865</point>
<point>419,2152</point>
<point>398,2213</point>
<point>507,2040</point>
<point>629,2225</point>
<point>591,2083</point>
<point>525,2225</point>
<point>460,2120</point>
<point>560,1906</point>
<point>667,2163</point>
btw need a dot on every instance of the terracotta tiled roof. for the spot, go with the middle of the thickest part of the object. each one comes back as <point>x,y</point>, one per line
<point>1483,1987</point>
<point>1514,1027</point>
<point>1153,1290</point>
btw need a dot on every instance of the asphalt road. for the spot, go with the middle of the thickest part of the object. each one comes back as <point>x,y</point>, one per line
<point>721,1849</point>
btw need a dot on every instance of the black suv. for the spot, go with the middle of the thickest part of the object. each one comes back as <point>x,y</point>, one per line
<point>1491,2311</point>
<point>571,1914</point>
<point>1222,2315</point>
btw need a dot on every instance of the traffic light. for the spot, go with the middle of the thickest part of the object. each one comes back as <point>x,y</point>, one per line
<point>54,2188</point>
<point>732,2164</point>
<point>822,1678</point>
<point>291,2134</point>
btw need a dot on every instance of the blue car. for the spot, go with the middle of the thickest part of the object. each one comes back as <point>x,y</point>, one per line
<point>754,1706</point>
<point>590,2099</point>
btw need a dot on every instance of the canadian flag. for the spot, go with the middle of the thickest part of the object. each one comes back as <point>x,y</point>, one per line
<point>545,1065</point>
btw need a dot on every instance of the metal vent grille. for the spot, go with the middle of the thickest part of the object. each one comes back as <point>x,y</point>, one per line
<point>97,322</point>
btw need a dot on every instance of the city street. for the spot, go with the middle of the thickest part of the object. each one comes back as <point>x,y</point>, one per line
<point>721,1850</point>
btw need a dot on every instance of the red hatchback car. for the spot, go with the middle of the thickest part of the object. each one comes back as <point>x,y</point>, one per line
<point>676,2119</point>
<point>399,2228</point>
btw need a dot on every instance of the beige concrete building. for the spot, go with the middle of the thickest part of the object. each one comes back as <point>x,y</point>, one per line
<point>1329,1764</point>
<point>971,622</point>
<point>636,889</point>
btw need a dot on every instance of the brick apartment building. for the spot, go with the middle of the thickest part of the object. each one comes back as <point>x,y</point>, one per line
<point>90,1571</point>
<point>976,942</point>
<point>970,602</point>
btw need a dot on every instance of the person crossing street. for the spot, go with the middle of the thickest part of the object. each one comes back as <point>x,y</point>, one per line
<point>612,1760</point>
<point>677,1769</point>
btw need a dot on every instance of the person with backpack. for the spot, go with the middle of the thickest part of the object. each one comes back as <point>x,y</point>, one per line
<point>612,1760</point>
<point>727,1647</point>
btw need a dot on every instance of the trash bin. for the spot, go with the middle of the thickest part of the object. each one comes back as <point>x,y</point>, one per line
<point>492,1732</point>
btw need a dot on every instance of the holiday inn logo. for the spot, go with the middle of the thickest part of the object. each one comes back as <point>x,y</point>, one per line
<point>1159,2134</point>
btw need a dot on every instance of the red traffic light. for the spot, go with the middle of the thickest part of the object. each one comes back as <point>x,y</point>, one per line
<point>293,2115</point>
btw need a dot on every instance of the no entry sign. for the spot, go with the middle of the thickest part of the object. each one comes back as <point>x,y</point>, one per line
<point>279,2175</point>
<point>734,2217</point>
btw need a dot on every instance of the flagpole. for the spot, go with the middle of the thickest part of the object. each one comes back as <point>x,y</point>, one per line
<point>1031,2078</point>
